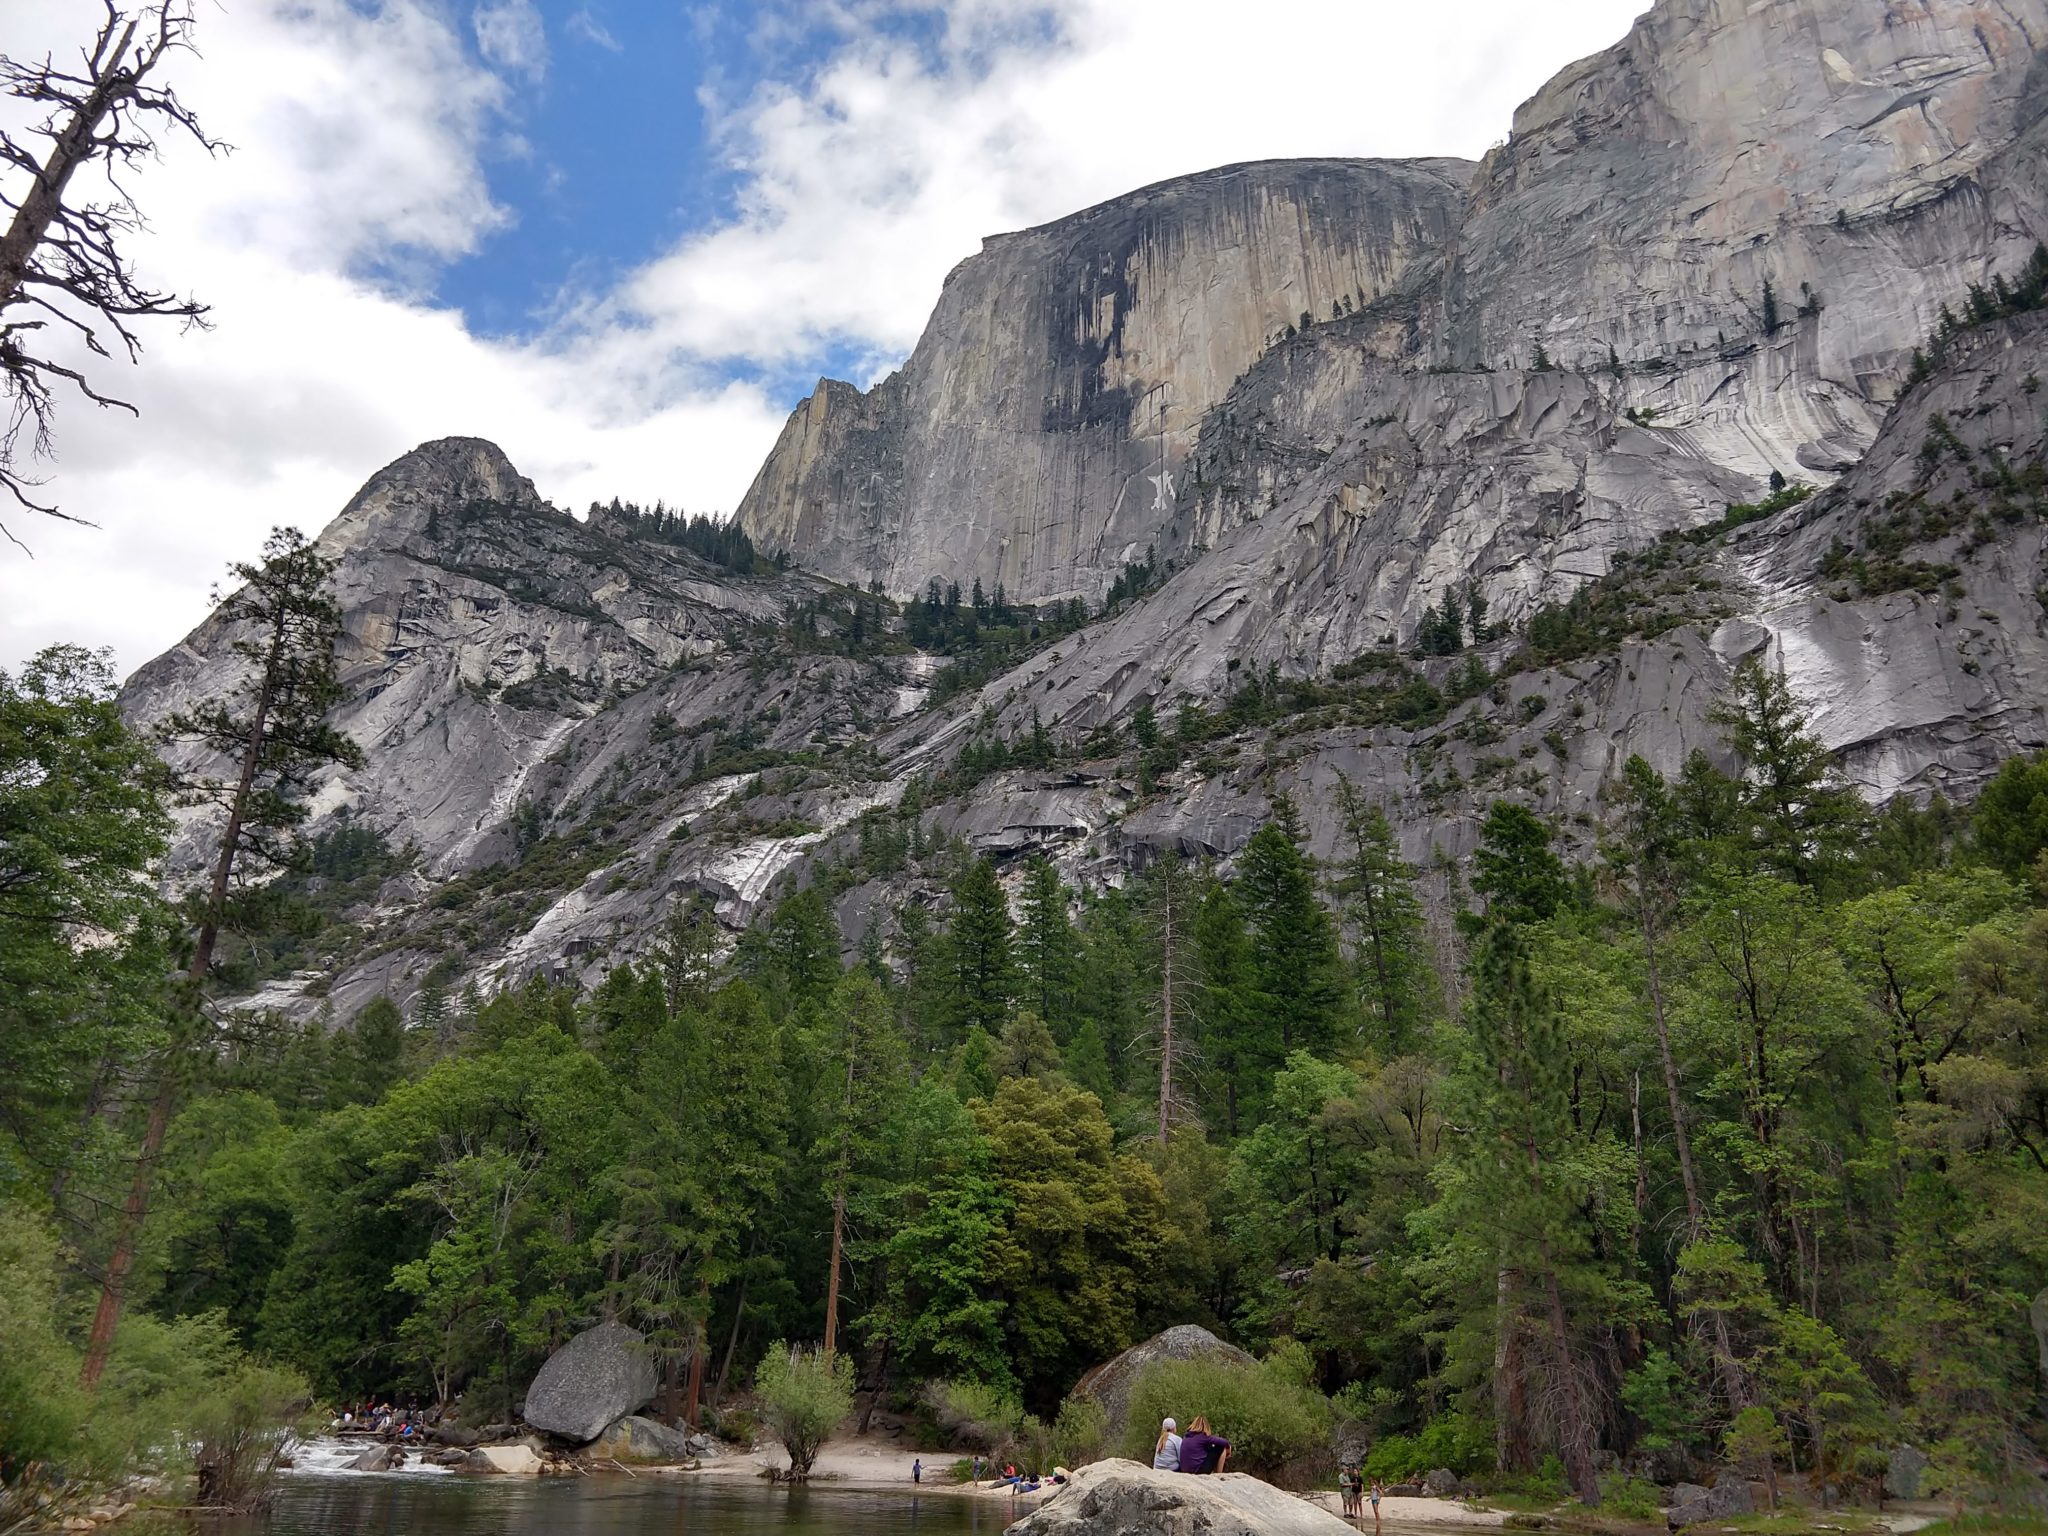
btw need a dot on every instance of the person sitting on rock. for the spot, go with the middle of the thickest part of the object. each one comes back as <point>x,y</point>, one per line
<point>1201,1451</point>
<point>1166,1454</point>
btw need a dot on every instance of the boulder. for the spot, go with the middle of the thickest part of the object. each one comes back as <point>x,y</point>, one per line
<point>1110,1383</point>
<point>455,1434</point>
<point>518,1460</point>
<point>1902,1472</point>
<point>1405,1491</point>
<point>704,1447</point>
<point>592,1381</point>
<point>1730,1496</point>
<point>1121,1496</point>
<point>633,1438</point>
<point>375,1458</point>
<point>1440,1483</point>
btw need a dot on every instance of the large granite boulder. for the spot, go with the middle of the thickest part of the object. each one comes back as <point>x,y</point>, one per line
<point>1903,1470</point>
<point>596,1378</point>
<point>517,1459</point>
<point>1730,1496</point>
<point>633,1438</point>
<point>1110,1383</point>
<point>1113,1498</point>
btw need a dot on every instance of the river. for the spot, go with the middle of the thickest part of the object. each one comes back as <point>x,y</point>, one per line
<point>320,1502</point>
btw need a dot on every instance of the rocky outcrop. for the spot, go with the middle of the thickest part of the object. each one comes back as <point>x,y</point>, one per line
<point>1691,1503</point>
<point>633,1438</point>
<point>518,1460</point>
<point>1067,366</point>
<point>1121,1498</point>
<point>598,1377</point>
<point>1110,1383</point>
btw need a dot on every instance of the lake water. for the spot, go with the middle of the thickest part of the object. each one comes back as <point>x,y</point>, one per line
<point>409,1504</point>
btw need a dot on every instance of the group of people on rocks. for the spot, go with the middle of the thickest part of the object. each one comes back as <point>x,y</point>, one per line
<point>1199,1450</point>
<point>380,1418</point>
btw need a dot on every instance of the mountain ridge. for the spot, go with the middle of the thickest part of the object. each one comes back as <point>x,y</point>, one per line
<point>577,726</point>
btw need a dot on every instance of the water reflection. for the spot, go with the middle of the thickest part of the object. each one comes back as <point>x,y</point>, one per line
<point>363,1505</point>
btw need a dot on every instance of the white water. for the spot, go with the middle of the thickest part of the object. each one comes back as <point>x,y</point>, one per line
<point>324,1454</point>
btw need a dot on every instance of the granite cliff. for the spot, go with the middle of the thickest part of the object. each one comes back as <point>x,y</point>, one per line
<point>1704,257</point>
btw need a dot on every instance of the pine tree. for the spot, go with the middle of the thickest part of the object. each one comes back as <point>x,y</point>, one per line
<point>1296,968</point>
<point>1520,1190</point>
<point>978,940</point>
<point>1047,950</point>
<point>275,730</point>
<point>1515,868</point>
<point>861,1046</point>
<point>1231,1032</point>
<point>1377,887</point>
<point>1799,816</point>
<point>1169,906</point>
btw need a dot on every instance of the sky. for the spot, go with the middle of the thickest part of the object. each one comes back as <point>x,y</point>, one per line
<point>623,238</point>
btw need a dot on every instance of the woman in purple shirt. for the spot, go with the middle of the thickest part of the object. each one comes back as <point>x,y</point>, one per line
<point>1201,1451</point>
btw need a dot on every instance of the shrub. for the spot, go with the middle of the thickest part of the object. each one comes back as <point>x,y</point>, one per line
<point>804,1393</point>
<point>1270,1412</point>
<point>1455,1441</point>
<point>973,1413</point>
<point>1080,1431</point>
<point>41,1408</point>
<point>1630,1497</point>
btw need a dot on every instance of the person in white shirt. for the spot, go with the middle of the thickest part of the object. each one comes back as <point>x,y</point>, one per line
<point>1166,1454</point>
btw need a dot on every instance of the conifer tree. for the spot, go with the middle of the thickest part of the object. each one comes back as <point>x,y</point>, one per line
<point>1047,949</point>
<point>1377,887</point>
<point>1800,817</point>
<point>274,732</point>
<point>978,944</point>
<point>860,1044</point>
<point>1230,1030</point>
<point>1169,905</point>
<point>1295,965</point>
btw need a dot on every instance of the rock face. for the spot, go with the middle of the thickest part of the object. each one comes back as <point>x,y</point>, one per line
<point>1862,165</point>
<point>1121,1498</point>
<point>1066,365</point>
<point>633,1438</point>
<point>1904,1467</point>
<point>596,1378</point>
<point>1690,1503</point>
<point>1110,1383</point>
<point>573,729</point>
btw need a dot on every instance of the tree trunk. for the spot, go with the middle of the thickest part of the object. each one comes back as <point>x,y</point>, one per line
<point>43,198</point>
<point>1575,1424</point>
<point>832,1280</point>
<point>695,1394</point>
<point>107,1316</point>
<point>1511,1447</point>
<point>1166,1016</point>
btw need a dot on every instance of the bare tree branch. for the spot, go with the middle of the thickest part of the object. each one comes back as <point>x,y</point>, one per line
<point>63,256</point>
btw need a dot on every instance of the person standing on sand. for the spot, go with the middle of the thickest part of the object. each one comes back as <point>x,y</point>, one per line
<point>1166,1454</point>
<point>1201,1451</point>
<point>1378,1488</point>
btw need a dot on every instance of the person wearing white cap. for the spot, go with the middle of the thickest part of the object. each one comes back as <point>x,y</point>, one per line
<point>1166,1454</point>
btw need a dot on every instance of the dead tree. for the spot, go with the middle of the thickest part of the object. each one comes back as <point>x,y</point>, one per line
<point>64,283</point>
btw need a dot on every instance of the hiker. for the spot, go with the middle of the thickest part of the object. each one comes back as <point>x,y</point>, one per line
<point>1347,1490</point>
<point>917,1469</point>
<point>1200,1451</point>
<point>1166,1454</point>
<point>1378,1488</point>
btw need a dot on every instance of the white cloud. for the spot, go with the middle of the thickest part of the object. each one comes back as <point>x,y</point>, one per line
<point>363,136</point>
<point>583,24</point>
<point>510,35</point>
